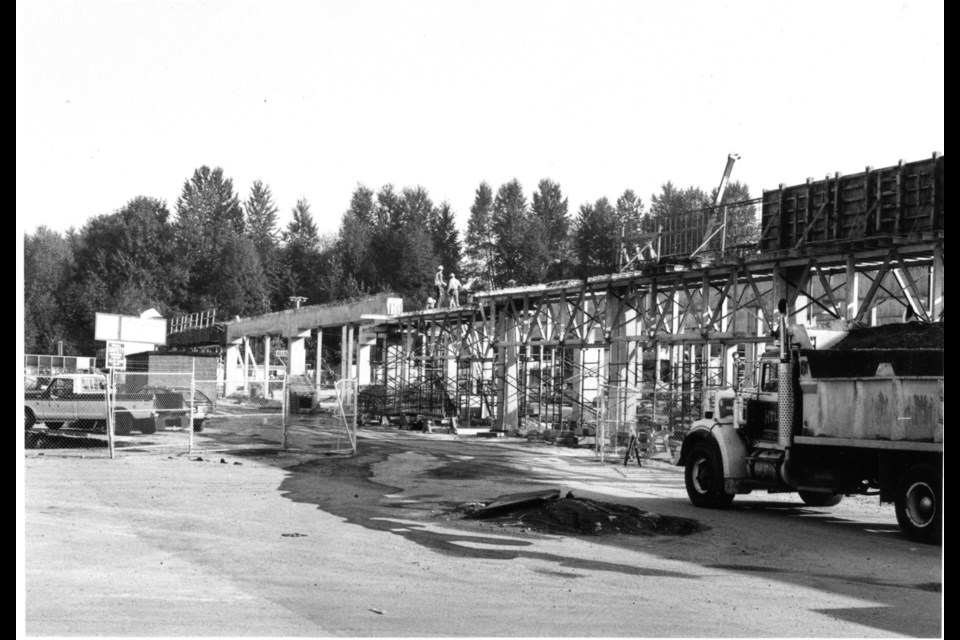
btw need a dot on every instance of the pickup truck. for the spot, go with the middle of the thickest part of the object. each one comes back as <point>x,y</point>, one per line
<point>80,400</point>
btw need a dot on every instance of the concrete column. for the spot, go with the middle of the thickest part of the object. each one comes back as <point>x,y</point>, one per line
<point>234,375</point>
<point>365,343</point>
<point>507,378</point>
<point>297,360</point>
<point>623,364</point>
<point>319,369</point>
<point>266,366</point>
<point>344,353</point>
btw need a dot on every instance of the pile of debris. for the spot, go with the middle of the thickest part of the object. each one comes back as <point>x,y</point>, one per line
<point>551,512</point>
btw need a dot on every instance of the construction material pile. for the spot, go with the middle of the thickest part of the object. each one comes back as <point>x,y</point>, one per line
<point>907,335</point>
<point>548,512</point>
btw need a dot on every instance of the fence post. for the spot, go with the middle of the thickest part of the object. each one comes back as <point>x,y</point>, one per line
<point>109,404</point>
<point>284,407</point>
<point>193,386</point>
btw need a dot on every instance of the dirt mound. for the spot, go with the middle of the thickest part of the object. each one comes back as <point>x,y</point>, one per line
<point>547,512</point>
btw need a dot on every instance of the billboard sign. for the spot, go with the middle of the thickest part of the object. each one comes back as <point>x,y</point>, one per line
<point>114,327</point>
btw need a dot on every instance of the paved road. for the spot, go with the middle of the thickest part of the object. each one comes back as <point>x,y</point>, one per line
<point>291,544</point>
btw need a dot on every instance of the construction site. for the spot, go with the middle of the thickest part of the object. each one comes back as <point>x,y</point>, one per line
<point>640,350</point>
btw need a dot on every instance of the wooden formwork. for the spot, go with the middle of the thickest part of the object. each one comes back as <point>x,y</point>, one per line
<point>880,204</point>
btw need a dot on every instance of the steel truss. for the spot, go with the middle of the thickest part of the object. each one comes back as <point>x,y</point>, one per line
<point>537,357</point>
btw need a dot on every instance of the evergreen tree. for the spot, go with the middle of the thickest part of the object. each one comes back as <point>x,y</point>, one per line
<point>630,221</point>
<point>514,233</point>
<point>354,243</point>
<point>208,215</point>
<point>479,239</point>
<point>682,216</point>
<point>550,212</point>
<point>743,220</point>
<point>301,252</point>
<point>597,239</point>
<point>262,229</point>
<point>446,238</point>
<point>261,219</point>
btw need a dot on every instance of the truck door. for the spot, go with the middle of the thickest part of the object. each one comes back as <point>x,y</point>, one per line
<point>762,422</point>
<point>60,400</point>
<point>91,398</point>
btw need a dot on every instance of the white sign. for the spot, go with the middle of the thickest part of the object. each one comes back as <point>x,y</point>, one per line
<point>115,356</point>
<point>110,326</point>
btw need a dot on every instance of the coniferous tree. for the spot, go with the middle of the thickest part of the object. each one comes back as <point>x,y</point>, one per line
<point>262,229</point>
<point>301,251</point>
<point>446,238</point>
<point>597,238</point>
<point>480,243</point>
<point>355,239</point>
<point>514,233</point>
<point>549,210</point>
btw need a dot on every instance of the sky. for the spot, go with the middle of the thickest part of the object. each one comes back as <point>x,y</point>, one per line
<point>121,99</point>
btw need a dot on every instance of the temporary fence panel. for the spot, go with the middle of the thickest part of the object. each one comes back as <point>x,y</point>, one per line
<point>249,416</point>
<point>347,403</point>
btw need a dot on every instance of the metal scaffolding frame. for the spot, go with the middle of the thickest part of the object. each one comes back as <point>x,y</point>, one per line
<point>535,357</point>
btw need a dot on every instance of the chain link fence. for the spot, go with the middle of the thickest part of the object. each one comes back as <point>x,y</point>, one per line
<point>172,411</point>
<point>628,424</point>
<point>654,420</point>
<point>67,412</point>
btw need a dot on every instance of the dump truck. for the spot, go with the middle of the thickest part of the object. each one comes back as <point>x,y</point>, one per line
<point>80,401</point>
<point>864,416</point>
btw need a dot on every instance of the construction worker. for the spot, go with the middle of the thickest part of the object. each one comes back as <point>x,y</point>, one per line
<point>440,286</point>
<point>453,287</point>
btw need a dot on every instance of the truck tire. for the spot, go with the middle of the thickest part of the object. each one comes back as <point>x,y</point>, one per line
<point>123,424</point>
<point>28,419</point>
<point>703,476</point>
<point>917,502</point>
<point>817,499</point>
<point>147,426</point>
<point>53,425</point>
<point>197,426</point>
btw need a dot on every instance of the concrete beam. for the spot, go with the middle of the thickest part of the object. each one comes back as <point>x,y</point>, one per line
<point>289,323</point>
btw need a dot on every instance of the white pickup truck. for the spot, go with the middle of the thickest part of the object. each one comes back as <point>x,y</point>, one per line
<point>80,400</point>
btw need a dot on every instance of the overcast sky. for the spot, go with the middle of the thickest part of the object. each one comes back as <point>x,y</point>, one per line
<point>120,99</point>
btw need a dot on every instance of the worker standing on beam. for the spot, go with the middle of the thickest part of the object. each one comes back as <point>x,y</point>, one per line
<point>453,287</point>
<point>440,286</point>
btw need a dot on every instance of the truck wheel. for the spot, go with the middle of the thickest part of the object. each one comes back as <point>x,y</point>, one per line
<point>123,424</point>
<point>53,425</point>
<point>29,419</point>
<point>917,502</point>
<point>147,426</point>
<point>704,477</point>
<point>817,499</point>
<point>197,426</point>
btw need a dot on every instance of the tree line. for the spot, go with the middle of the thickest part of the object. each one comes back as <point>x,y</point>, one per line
<point>215,251</point>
